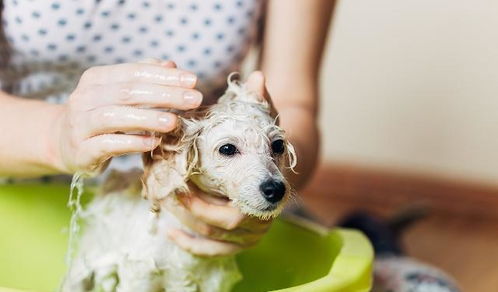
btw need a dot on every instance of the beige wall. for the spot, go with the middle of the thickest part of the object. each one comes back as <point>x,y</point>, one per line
<point>413,85</point>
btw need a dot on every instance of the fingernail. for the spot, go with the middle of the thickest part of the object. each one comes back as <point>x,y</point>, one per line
<point>188,79</point>
<point>168,63</point>
<point>192,97</point>
<point>164,120</point>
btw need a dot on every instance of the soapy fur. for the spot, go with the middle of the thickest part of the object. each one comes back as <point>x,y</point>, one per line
<point>124,246</point>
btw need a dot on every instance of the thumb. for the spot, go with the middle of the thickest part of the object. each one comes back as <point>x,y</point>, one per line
<point>256,83</point>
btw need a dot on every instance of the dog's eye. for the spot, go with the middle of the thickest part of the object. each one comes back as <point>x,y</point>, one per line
<point>278,147</point>
<point>228,150</point>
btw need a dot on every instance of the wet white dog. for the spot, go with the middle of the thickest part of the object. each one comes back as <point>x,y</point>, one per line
<point>234,149</point>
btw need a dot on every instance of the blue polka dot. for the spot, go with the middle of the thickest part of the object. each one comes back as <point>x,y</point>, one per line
<point>55,6</point>
<point>70,37</point>
<point>165,56</point>
<point>18,20</point>
<point>171,6</point>
<point>230,48</point>
<point>137,53</point>
<point>170,33</point>
<point>87,25</point>
<point>81,49</point>
<point>207,51</point>
<point>249,13</point>
<point>217,64</point>
<point>52,47</point>
<point>196,36</point>
<point>217,6</point>
<point>91,58</point>
<point>143,29</point>
<point>158,18</point>
<point>191,63</point>
<point>194,7</point>
<point>207,22</point>
<point>34,52</point>
<point>42,31</point>
<point>181,48</point>
<point>121,2</point>
<point>241,30</point>
<point>97,37</point>
<point>126,39</point>
<point>108,49</point>
<point>146,4</point>
<point>25,37</point>
<point>105,13</point>
<point>63,58</point>
<point>115,26</point>
<point>36,14</point>
<point>220,36</point>
<point>231,20</point>
<point>201,75</point>
<point>183,20</point>
<point>131,16</point>
<point>119,60</point>
<point>154,43</point>
<point>62,22</point>
<point>80,11</point>
<point>239,4</point>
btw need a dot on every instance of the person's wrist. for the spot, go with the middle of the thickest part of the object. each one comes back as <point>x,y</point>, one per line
<point>53,153</point>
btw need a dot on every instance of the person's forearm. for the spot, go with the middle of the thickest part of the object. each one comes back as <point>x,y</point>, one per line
<point>304,136</point>
<point>27,130</point>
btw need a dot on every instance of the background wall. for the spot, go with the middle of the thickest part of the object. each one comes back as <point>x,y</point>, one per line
<point>413,86</point>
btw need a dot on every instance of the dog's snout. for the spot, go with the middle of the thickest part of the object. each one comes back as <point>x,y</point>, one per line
<point>273,190</point>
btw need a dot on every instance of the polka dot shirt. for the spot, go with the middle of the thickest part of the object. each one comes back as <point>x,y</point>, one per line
<point>48,44</point>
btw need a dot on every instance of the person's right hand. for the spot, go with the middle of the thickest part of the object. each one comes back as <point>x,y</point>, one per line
<point>111,100</point>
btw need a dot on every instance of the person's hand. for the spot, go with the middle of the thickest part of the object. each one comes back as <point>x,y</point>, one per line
<point>224,228</point>
<point>111,101</point>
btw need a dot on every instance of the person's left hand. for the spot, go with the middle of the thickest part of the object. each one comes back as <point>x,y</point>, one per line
<point>225,229</point>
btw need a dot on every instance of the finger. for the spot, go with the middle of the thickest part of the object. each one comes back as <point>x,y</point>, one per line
<point>139,72</point>
<point>256,83</point>
<point>237,235</point>
<point>202,246</point>
<point>111,119</point>
<point>100,148</point>
<point>142,94</point>
<point>226,217</point>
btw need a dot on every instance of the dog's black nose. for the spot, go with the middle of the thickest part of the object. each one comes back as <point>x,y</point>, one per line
<point>272,190</point>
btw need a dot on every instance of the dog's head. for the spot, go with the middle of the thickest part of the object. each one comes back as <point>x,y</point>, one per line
<point>234,149</point>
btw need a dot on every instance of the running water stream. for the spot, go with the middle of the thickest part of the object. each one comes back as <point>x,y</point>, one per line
<point>74,204</point>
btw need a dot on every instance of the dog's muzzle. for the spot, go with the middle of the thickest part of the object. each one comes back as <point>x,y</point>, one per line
<point>272,190</point>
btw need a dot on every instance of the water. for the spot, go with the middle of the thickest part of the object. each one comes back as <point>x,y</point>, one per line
<point>74,204</point>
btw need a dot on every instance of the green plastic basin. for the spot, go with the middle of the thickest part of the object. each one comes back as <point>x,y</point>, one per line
<point>33,218</point>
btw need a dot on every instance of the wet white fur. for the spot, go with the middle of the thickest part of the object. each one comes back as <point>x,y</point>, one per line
<point>124,246</point>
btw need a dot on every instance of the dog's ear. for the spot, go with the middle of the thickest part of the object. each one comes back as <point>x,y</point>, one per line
<point>168,167</point>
